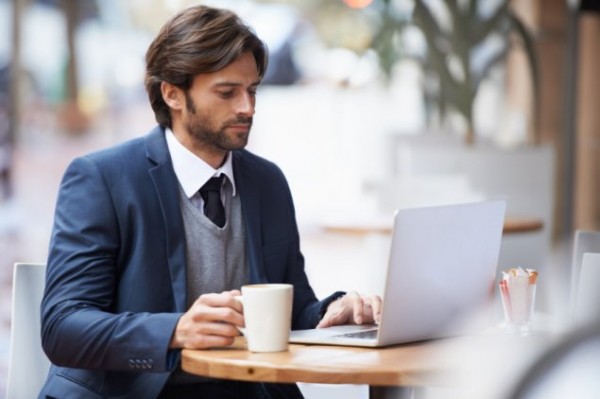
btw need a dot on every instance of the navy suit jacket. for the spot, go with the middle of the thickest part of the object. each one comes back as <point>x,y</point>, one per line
<point>116,272</point>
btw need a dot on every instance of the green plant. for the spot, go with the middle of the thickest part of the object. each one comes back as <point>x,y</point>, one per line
<point>456,34</point>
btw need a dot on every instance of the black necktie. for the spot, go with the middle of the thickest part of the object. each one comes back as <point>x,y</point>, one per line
<point>211,194</point>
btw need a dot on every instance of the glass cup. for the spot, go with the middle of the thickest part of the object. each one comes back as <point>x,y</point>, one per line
<point>518,302</point>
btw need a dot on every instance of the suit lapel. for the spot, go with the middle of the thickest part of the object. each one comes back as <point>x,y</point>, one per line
<point>247,187</point>
<point>167,191</point>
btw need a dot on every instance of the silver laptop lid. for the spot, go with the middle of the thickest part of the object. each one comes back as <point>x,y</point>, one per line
<point>442,267</point>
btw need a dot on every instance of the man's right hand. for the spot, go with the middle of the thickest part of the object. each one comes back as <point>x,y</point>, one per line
<point>211,321</point>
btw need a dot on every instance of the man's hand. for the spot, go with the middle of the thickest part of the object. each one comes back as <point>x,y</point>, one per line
<point>211,321</point>
<point>352,308</point>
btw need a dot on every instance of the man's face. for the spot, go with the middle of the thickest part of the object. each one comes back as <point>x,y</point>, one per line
<point>220,106</point>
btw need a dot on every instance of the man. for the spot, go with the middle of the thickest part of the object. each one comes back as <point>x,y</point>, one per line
<point>136,270</point>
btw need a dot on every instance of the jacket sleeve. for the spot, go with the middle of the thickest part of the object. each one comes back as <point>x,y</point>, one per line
<point>278,209</point>
<point>81,325</point>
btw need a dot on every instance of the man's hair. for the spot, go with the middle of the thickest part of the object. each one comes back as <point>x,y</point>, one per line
<point>197,40</point>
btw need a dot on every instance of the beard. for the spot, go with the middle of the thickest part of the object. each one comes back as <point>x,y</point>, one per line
<point>207,132</point>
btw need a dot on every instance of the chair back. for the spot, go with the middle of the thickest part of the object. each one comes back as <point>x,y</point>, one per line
<point>28,365</point>
<point>568,369</point>
<point>584,241</point>
<point>587,297</point>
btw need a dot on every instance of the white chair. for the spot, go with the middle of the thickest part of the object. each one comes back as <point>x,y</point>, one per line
<point>568,369</point>
<point>584,241</point>
<point>28,365</point>
<point>587,296</point>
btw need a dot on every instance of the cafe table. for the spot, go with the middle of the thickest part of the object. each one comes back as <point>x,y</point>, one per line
<point>491,361</point>
<point>512,225</point>
<point>390,372</point>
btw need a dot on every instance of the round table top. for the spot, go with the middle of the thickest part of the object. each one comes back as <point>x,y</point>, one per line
<point>441,362</point>
<point>511,226</point>
<point>403,365</point>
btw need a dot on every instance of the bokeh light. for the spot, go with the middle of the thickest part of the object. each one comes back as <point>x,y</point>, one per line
<point>358,3</point>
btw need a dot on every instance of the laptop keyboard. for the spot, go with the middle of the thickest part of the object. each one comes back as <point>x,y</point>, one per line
<point>369,334</point>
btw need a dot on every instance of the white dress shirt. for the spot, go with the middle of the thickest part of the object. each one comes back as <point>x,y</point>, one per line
<point>192,172</point>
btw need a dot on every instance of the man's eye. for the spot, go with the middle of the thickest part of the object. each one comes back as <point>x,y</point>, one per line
<point>226,94</point>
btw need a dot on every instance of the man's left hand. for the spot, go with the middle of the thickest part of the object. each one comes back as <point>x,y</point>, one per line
<point>352,308</point>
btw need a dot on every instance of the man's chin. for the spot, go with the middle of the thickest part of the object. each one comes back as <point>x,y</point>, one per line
<point>238,141</point>
<point>234,145</point>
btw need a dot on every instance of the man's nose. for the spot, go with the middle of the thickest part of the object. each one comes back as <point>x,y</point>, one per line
<point>245,105</point>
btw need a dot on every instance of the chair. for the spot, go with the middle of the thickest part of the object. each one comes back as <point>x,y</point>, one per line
<point>584,241</point>
<point>587,297</point>
<point>568,369</point>
<point>28,365</point>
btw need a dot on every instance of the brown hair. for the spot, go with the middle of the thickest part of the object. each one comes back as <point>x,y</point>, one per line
<point>197,40</point>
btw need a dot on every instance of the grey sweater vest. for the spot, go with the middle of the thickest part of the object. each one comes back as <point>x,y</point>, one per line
<point>216,257</point>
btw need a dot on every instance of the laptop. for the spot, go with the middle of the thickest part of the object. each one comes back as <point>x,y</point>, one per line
<point>441,272</point>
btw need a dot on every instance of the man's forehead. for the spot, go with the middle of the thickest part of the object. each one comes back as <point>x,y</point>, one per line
<point>241,72</point>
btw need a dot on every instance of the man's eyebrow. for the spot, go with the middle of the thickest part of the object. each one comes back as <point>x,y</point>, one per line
<point>235,84</point>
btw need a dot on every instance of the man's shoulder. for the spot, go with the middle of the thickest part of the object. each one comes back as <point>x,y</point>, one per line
<point>250,159</point>
<point>118,148</point>
<point>249,163</point>
<point>127,150</point>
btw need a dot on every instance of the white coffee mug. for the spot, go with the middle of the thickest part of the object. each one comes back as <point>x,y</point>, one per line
<point>268,316</point>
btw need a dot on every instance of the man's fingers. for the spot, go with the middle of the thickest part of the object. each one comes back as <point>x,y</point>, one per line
<point>352,309</point>
<point>356,304</point>
<point>221,307</point>
<point>209,341</point>
<point>212,320</point>
<point>325,322</point>
<point>218,300</point>
<point>376,304</point>
<point>220,329</point>
<point>335,314</point>
<point>202,313</point>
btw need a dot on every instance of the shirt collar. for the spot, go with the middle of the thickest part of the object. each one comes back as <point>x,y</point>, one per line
<point>191,171</point>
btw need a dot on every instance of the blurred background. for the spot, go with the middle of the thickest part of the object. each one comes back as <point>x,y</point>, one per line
<point>367,106</point>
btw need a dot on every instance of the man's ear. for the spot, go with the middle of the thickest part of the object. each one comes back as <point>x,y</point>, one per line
<point>172,95</point>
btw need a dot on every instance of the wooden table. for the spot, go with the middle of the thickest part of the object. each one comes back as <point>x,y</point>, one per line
<point>487,360</point>
<point>511,226</point>
<point>390,372</point>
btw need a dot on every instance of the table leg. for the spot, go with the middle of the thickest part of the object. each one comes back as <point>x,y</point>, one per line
<point>388,392</point>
